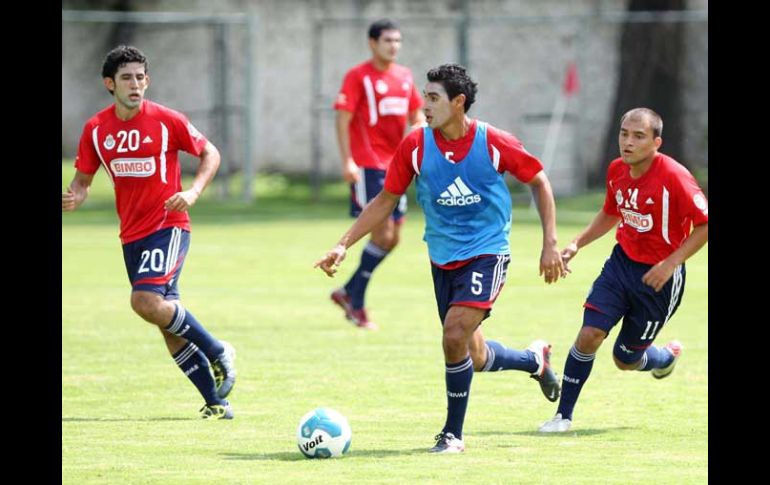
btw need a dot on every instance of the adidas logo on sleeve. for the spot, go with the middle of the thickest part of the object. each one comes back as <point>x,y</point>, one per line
<point>458,194</point>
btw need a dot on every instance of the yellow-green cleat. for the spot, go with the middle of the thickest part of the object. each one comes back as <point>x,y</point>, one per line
<point>224,371</point>
<point>217,411</point>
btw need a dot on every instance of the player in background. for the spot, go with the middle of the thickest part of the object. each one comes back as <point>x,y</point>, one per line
<point>459,164</point>
<point>377,100</point>
<point>654,202</point>
<point>136,141</point>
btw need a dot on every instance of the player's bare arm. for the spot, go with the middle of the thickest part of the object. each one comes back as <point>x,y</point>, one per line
<point>349,167</point>
<point>551,266</point>
<point>659,274</point>
<point>76,192</point>
<point>210,159</point>
<point>599,226</point>
<point>373,215</point>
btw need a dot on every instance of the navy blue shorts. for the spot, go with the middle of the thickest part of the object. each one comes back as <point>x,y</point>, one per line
<point>477,284</point>
<point>618,293</point>
<point>368,186</point>
<point>155,262</point>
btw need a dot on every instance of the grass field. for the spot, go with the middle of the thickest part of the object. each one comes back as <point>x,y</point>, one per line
<point>130,416</point>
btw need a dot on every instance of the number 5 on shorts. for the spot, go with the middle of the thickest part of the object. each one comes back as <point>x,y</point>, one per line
<point>476,287</point>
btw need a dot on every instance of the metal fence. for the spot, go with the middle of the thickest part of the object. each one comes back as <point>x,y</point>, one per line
<point>520,64</point>
<point>206,65</point>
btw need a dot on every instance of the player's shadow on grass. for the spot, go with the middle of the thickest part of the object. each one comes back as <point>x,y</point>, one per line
<point>115,420</point>
<point>297,456</point>
<point>572,433</point>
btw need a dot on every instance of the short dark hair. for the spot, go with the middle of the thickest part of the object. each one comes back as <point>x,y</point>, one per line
<point>656,122</point>
<point>456,81</point>
<point>122,55</point>
<point>375,30</point>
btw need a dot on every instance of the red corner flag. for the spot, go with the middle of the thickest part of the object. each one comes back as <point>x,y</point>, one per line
<point>571,83</point>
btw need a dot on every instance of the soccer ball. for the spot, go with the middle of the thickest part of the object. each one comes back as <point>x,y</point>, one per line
<point>323,433</point>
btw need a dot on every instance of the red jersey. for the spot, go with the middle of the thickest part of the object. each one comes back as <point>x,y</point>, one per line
<point>140,156</point>
<point>380,102</point>
<point>657,209</point>
<point>505,150</point>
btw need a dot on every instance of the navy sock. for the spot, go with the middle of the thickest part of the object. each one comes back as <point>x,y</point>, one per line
<point>500,357</point>
<point>458,388</point>
<point>576,372</point>
<point>195,366</point>
<point>655,358</point>
<point>371,256</point>
<point>184,324</point>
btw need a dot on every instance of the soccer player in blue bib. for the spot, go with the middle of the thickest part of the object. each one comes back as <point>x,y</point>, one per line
<point>459,164</point>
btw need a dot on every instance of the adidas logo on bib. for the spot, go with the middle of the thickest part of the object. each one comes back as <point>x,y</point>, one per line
<point>458,194</point>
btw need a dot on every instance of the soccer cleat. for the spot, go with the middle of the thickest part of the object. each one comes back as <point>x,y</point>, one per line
<point>447,443</point>
<point>555,425</point>
<point>341,298</point>
<point>549,382</point>
<point>217,411</point>
<point>675,347</point>
<point>224,371</point>
<point>361,320</point>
